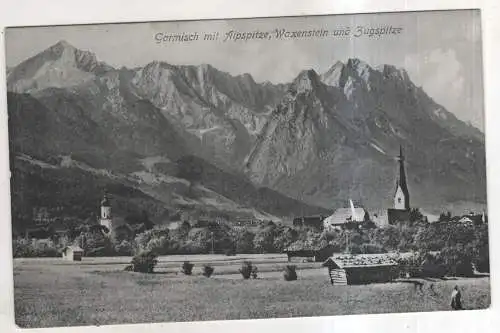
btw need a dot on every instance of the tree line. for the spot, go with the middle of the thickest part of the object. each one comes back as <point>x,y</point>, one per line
<point>456,240</point>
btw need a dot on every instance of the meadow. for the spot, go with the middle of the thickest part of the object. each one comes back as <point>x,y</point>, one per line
<point>96,291</point>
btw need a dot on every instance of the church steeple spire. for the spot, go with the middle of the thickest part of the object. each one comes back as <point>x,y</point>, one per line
<point>402,195</point>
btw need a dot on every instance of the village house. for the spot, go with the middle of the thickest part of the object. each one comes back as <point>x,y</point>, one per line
<point>72,253</point>
<point>344,218</point>
<point>315,222</point>
<point>174,225</point>
<point>42,223</point>
<point>245,221</point>
<point>473,218</point>
<point>42,217</point>
<point>466,220</point>
<point>350,269</point>
<point>379,217</point>
<point>206,223</point>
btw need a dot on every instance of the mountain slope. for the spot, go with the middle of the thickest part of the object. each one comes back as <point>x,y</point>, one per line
<point>326,143</point>
<point>367,85</point>
<point>223,111</point>
<point>71,189</point>
<point>61,65</point>
<point>321,138</point>
<point>63,139</point>
<point>72,194</point>
<point>240,190</point>
<point>58,122</point>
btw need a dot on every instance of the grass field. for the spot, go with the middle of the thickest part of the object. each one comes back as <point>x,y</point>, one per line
<point>51,292</point>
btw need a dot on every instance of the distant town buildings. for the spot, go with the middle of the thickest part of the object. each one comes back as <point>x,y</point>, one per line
<point>42,217</point>
<point>352,216</point>
<point>48,221</point>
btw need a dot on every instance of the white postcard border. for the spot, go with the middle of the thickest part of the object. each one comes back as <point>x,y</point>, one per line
<point>58,12</point>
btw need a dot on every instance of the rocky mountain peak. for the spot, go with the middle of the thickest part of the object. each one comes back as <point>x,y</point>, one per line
<point>357,70</point>
<point>339,74</point>
<point>156,66</point>
<point>206,68</point>
<point>205,71</point>
<point>72,56</point>
<point>357,64</point>
<point>60,65</point>
<point>390,71</point>
<point>307,80</point>
<point>324,139</point>
<point>361,68</point>
<point>247,79</point>
<point>332,76</point>
<point>61,46</point>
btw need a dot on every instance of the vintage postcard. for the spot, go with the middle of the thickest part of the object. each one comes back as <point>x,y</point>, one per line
<point>247,168</point>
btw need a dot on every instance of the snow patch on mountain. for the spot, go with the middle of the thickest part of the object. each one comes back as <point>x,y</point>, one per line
<point>378,148</point>
<point>200,133</point>
<point>39,163</point>
<point>151,161</point>
<point>151,178</point>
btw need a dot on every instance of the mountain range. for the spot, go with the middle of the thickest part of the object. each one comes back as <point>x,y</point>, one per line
<point>165,138</point>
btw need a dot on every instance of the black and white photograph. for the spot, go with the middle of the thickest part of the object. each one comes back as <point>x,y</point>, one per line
<point>249,168</point>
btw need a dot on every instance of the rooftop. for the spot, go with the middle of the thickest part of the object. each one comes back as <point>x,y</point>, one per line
<point>342,215</point>
<point>309,245</point>
<point>74,248</point>
<point>360,260</point>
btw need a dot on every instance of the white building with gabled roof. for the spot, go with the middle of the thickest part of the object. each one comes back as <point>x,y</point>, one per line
<point>342,216</point>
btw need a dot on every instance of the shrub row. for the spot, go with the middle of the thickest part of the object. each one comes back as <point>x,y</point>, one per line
<point>145,262</point>
<point>451,261</point>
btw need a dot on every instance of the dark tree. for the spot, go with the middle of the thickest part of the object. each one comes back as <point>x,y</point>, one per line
<point>290,273</point>
<point>187,268</point>
<point>248,270</point>
<point>416,215</point>
<point>208,271</point>
<point>190,169</point>
<point>144,262</point>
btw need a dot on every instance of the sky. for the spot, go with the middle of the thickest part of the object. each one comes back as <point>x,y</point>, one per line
<point>441,51</point>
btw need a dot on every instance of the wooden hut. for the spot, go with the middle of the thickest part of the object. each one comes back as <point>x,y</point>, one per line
<point>361,269</point>
<point>72,253</point>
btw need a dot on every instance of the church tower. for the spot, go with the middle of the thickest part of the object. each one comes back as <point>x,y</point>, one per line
<point>106,219</point>
<point>402,195</point>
